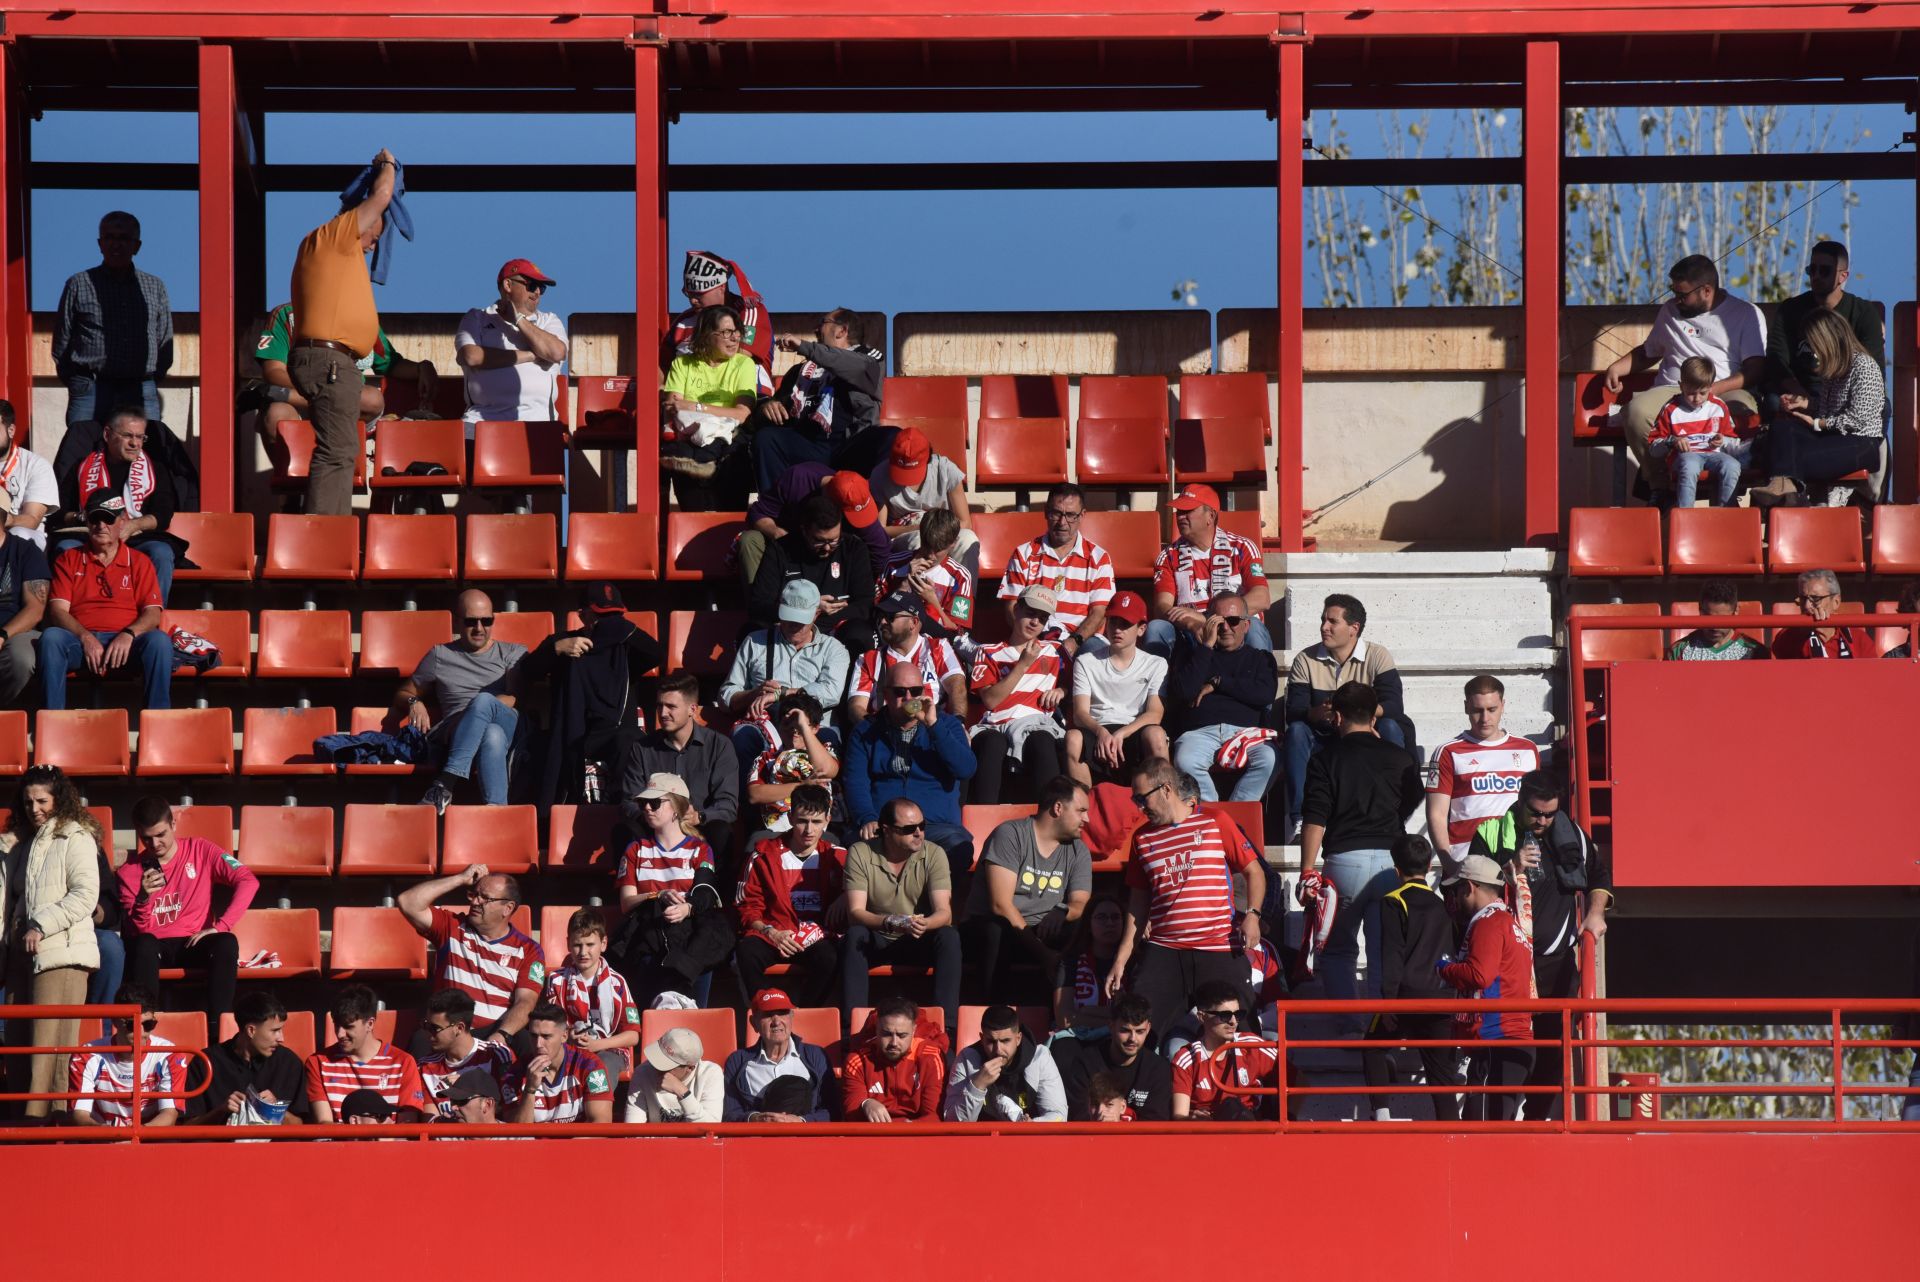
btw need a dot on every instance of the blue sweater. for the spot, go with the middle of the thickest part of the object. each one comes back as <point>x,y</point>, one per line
<point>738,1105</point>
<point>937,761</point>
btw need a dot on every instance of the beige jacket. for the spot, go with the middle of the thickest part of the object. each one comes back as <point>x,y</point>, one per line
<point>62,881</point>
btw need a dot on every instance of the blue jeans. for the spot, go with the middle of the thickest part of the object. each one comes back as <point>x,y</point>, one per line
<point>1303,741</point>
<point>1194,751</point>
<point>91,399</point>
<point>152,652</point>
<point>105,982</point>
<point>1689,467</point>
<point>1363,878</point>
<point>158,551</point>
<point>1162,637</point>
<point>485,731</point>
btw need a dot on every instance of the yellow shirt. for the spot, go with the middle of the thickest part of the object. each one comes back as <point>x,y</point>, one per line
<point>332,294</point>
<point>726,384</point>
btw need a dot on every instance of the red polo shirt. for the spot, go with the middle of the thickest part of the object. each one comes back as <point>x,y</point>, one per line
<point>105,598</point>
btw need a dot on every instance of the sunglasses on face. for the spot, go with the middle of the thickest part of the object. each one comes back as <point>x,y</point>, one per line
<point>477,621</point>
<point>908,829</point>
<point>1141,799</point>
<point>1538,815</point>
<point>906,692</point>
<point>434,1030</point>
<point>531,286</point>
<point>1232,620</point>
<point>101,518</point>
<point>1220,1016</point>
<point>148,1024</point>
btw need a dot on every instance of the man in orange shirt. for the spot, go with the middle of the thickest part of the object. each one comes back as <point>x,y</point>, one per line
<point>336,324</point>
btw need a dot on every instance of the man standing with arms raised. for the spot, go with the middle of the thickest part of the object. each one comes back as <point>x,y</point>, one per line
<point>335,324</point>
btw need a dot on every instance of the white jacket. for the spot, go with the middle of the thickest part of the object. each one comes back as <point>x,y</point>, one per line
<point>62,883</point>
<point>646,1102</point>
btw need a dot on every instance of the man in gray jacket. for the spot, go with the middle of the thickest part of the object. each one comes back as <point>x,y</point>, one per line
<point>1006,1076</point>
<point>824,405</point>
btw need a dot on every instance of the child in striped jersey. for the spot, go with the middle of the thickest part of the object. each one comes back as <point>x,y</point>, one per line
<point>602,1018</point>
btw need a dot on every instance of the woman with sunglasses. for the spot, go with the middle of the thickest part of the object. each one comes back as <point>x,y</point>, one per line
<point>51,858</point>
<point>666,881</point>
<point>704,397</point>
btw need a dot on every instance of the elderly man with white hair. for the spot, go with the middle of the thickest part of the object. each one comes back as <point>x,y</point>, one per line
<point>1817,593</point>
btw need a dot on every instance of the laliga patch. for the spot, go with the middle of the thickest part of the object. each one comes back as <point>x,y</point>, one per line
<point>597,1080</point>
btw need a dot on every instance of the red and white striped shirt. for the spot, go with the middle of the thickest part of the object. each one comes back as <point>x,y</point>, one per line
<point>1081,577</point>
<point>332,1075</point>
<point>1481,780</point>
<point>108,1071</point>
<point>580,1078</point>
<point>437,1073</point>
<point>488,970</point>
<point>1195,577</point>
<point>1193,1070</point>
<point>954,588</point>
<point>932,655</point>
<point>652,869</point>
<point>991,666</point>
<point>600,1005</point>
<point>1187,869</point>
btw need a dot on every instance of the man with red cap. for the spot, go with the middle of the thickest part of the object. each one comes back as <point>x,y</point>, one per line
<point>773,515</point>
<point>1203,563</point>
<point>704,282</point>
<point>826,404</point>
<point>779,1078</point>
<point>914,481</point>
<point>512,351</point>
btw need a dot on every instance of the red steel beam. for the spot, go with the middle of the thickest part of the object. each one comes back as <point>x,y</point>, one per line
<point>219,159</point>
<point>1541,200</point>
<point>1290,287</point>
<point>649,264</point>
<point>16,310</point>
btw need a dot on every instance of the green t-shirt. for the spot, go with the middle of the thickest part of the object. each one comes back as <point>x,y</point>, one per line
<point>911,891</point>
<point>276,341</point>
<point>725,384</point>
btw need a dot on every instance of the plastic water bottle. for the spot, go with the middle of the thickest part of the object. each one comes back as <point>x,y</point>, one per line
<point>1537,873</point>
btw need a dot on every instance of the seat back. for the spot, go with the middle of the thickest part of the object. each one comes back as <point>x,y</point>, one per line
<point>522,627</point>
<point>220,544</point>
<point>718,1037</point>
<point>389,841</point>
<point>606,409</point>
<point>296,1036</point>
<point>291,453</point>
<point>817,1024</point>
<point>1896,538</point>
<point>293,933</point>
<point>613,545</point>
<point>936,405</point>
<point>1714,540</point>
<point>326,548</point>
<point>1024,396</point>
<point>375,941</point>
<point>412,547</point>
<point>504,838</point>
<point>702,641</point>
<point>1122,438</point>
<point>580,838</point>
<point>306,643</point>
<point>1612,542</point>
<point>82,742</point>
<point>522,456</point>
<point>231,631</point>
<point>210,822</point>
<point>1619,646</point>
<point>1132,540</point>
<point>1593,404</point>
<point>1814,538</point>
<point>400,443</point>
<point>287,841</point>
<point>392,642</point>
<point>514,546</point>
<point>186,741</point>
<point>1000,533</point>
<point>279,741</point>
<point>1036,1020</point>
<point>700,544</point>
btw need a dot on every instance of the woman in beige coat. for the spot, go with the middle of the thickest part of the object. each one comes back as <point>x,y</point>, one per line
<point>51,863</point>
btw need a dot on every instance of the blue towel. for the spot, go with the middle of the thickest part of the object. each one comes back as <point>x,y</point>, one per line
<point>372,747</point>
<point>397,217</point>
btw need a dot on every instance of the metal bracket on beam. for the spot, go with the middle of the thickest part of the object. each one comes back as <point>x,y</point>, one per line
<point>646,38</point>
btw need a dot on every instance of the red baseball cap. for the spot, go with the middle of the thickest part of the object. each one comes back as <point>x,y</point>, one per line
<point>524,268</point>
<point>908,463</point>
<point>769,1000</point>
<point>855,497</point>
<point>1196,496</point>
<point>1128,607</point>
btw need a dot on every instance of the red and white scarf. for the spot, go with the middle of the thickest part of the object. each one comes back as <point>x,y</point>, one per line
<point>139,487</point>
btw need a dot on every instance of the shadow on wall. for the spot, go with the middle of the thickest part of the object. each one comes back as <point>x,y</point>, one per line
<point>1475,500</point>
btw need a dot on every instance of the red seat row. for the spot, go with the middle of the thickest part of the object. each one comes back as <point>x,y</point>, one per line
<point>1626,542</point>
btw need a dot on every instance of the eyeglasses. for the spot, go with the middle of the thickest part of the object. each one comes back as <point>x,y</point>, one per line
<point>1232,620</point>
<point>531,286</point>
<point>909,829</point>
<point>474,896</point>
<point>148,1025</point>
<point>477,621</point>
<point>1806,599</point>
<point>1220,1016</point>
<point>1141,799</point>
<point>101,518</point>
<point>722,333</point>
<point>1063,516</point>
<point>434,1030</point>
<point>906,692</point>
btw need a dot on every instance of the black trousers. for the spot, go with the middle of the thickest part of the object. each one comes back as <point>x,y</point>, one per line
<point>1040,758</point>
<point>863,948</point>
<point>1497,1066</point>
<point>218,954</point>
<point>1166,977</point>
<point>994,938</point>
<point>1556,975</point>
<point>812,977</point>
<point>1442,1063</point>
<point>1815,458</point>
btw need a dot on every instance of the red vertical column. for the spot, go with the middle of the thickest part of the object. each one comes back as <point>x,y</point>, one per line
<point>1903,464</point>
<point>649,263</point>
<point>16,307</point>
<point>1542,271</point>
<point>1290,115</point>
<point>219,158</point>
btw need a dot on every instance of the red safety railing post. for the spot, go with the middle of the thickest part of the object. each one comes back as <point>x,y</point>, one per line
<point>138,1042</point>
<point>1280,1072</point>
<point>1839,1072</point>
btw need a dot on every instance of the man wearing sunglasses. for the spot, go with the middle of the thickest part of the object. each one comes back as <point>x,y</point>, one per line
<point>463,696</point>
<point>104,611</point>
<point>912,751</point>
<point>1569,881</point>
<point>109,1073</point>
<point>512,351</point>
<point>480,952</point>
<point>1221,691</point>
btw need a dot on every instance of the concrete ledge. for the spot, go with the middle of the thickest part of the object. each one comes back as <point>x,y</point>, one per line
<point>1407,565</point>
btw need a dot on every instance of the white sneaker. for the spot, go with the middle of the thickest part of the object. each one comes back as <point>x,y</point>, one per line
<point>1293,832</point>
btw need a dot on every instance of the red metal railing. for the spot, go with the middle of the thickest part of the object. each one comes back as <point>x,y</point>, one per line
<point>1587,714</point>
<point>137,1049</point>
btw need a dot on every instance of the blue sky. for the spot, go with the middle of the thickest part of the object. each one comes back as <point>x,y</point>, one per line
<point>888,251</point>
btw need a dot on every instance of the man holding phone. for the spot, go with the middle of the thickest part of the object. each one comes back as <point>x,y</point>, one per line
<point>840,571</point>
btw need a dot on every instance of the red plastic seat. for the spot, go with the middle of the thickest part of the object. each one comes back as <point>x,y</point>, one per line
<point>516,547</point>
<point>425,547</point>
<point>606,413</point>
<point>1244,522</point>
<point>937,406</point>
<point>186,1029</point>
<point>231,630</point>
<point>1000,533</point>
<point>389,841</point>
<point>1815,538</point>
<point>296,1035</point>
<point>523,627</point>
<point>1896,539</point>
<point>14,754</point>
<point>579,838</point>
<point>700,544</point>
<point>504,838</point>
<point>1885,639</point>
<point>981,820</point>
<point>718,1038</point>
<point>368,941</point>
<point>1132,540</point>
<point>392,642</point>
<point>1252,818</point>
<point>1022,435</point>
<point>553,929</point>
<point>519,456</point>
<point>386,1022</point>
<point>1623,645</point>
<point>1714,540</point>
<point>82,742</point>
<point>400,443</point>
<point>294,933</point>
<point>214,823</point>
<point>220,545</point>
<point>1036,1020</point>
<point>305,643</point>
<point>279,741</point>
<point>185,741</point>
<point>702,641</point>
<point>646,620</point>
<point>312,547</point>
<point>624,546</point>
<point>291,453</point>
<point>1222,433</point>
<point>385,720</point>
<point>1693,608</point>
<point>1593,420</point>
<point>1614,542</point>
<point>287,841</point>
<point>1122,439</point>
